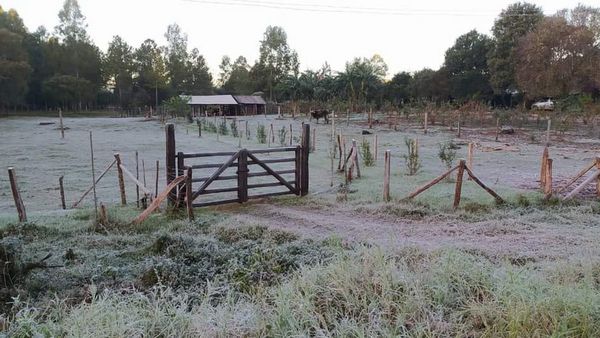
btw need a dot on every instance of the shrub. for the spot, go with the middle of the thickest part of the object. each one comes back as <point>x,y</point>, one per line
<point>413,163</point>
<point>282,136</point>
<point>261,134</point>
<point>447,154</point>
<point>234,129</point>
<point>223,128</point>
<point>365,151</point>
<point>210,127</point>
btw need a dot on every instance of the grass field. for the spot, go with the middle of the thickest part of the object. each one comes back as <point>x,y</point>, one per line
<point>339,262</point>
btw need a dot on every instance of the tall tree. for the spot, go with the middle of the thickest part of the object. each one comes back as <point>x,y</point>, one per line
<point>118,66</point>
<point>72,24</point>
<point>513,23</point>
<point>225,70</point>
<point>176,57</point>
<point>14,66</point>
<point>398,89</point>
<point>198,78</point>
<point>557,59</point>
<point>238,81</point>
<point>466,64</point>
<point>584,16</point>
<point>151,73</point>
<point>276,61</point>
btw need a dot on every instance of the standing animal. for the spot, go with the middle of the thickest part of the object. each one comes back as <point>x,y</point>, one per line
<point>320,113</point>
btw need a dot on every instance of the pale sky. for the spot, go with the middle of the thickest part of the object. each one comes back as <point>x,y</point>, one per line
<point>409,35</point>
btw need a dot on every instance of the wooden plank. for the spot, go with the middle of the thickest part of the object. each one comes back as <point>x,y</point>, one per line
<point>458,186</point>
<point>214,154</point>
<point>480,183</point>
<point>265,185</point>
<point>272,172</point>
<point>430,184</point>
<point>272,150</point>
<point>135,180</point>
<point>17,195</point>
<point>242,176</point>
<point>137,177</point>
<point>92,187</point>
<point>207,204</point>
<point>61,188</point>
<point>580,187</point>
<point>578,176</point>
<point>218,191</point>
<point>216,174</point>
<point>121,179</point>
<point>158,200</point>
<point>211,165</point>
<point>305,153</point>
<point>297,169</point>
<point>276,160</point>
<point>386,176</point>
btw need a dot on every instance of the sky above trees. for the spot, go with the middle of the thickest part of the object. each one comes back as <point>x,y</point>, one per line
<point>413,37</point>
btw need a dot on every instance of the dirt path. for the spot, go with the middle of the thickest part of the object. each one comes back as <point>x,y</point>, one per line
<point>507,238</point>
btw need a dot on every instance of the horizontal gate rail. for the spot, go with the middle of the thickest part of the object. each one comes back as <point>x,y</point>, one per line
<point>222,153</point>
<point>212,165</point>
<point>276,160</point>
<point>216,174</point>
<point>272,172</point>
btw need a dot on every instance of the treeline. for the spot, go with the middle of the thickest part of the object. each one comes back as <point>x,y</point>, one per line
<point>529,56</point>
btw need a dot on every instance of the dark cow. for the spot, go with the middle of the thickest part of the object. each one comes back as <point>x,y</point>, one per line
<point>320,113</point>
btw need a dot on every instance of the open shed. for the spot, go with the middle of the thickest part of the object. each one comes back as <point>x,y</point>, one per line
<point>227,104</point>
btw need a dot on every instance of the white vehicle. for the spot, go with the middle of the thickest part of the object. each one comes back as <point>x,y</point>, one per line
<point>543,105</point>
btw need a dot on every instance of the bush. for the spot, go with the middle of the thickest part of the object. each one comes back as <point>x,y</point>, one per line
<point>210,127</point>
<point>261,134</point>
<point>447,154</point>
<point>234,129</point>
<point>365,151</point>
<point>413,163</point>
<point>282,136</point>
<point>223,128</point>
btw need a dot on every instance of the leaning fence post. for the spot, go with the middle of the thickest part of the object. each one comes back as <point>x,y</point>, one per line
<point>242,174</point>
<point>386,177</point>
<point>17,195</point>
<point>62,192</point>
<point>305,152</point>
<point>543,169</point>
<point>121,179</point>
<point>459,180</point>
<point>170,160</point>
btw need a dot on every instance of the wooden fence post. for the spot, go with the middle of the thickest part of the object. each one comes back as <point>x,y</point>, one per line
<point>598,181</point>
<point>386,177</point>
<point>375,147</point>
<point>470,149</point>
<point>425,124</point>
<point>370,118</point>
<point>355,157</point>
<point>305,152</point>
<point>62,126</point>
<point>459,181</point>
<point>156,182</point>
<point>298,170</point>
<point>17,195</point>
<point>292,137</point>
<point>62,192</point>
<point>121,179</point>
<point>137,176</point>
<point>242,174</point>
<point>188,194</point>
<point>497,128</point>
<point>548,179</point>
<point>181,172</point>
<point>170,160</point>
<point>548,132</point>
<point>545,156</point>
<point>93,176</point>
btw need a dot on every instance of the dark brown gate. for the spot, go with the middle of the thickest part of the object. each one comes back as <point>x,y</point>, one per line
<point>291,175</point>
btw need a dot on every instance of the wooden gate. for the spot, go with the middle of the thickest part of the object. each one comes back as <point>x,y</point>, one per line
<point>249,164</point>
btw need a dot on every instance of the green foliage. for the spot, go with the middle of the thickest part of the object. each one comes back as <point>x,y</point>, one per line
<point>282,133</point>
<point>210,126</point>
<point>261,134</point>
<point>234,129</point>
<point>178,105</point>
<point>223,127</point>
<point>412,160</point>
<point>365,152</point>
<point>447,153</point>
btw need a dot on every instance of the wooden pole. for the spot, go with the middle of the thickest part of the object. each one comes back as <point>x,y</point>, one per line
<point>137,177</point>
<point>272,134</point>
<point>459,180</point>
<point>548,132</point>
<point>170,161</point>
<point>292,138</point>
<point>97,181</point>
<point>598,181</point>
<point>386,177</point>
<point>580,187</point>
<point>93,175</point>
<point>248,130</point>
<point>376,146</point>
<point>490,191</point>
<point>497,129</point>
<point>347,118</point>
<point>242,176</point>
<point>103,215</point>
<point>425,124</point>
<point>548,179</point>
<point>430,184</point>
<point>156,182</point>
<point>578,176</point>
<point>305,146</point>
<point>370,118</point>
<point>545,156</point>
<point>314,141</point>
<point>355,157</point>
<point>470,149</point>
<point>17,195</point>
<point>121,179</point>
<point>188,194</point>
<point>62,126</point>
<point>62,193</point>
<point>459,130</point>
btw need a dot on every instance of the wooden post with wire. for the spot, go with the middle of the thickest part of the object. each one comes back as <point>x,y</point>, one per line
<point>188,194</point>
<point>62,193</point>
<point>543,169</point>
<point>548,179</point>
<point>62,126</point>
<point>121,179</point>
<point>459,181</point>
<point>137,177</point>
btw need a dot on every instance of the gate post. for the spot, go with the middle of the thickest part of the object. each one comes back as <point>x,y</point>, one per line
<point>298,170</point>
<point>242,174</point>
<point>305,150</point>
<point>180,172</point>
<point>170,160</point>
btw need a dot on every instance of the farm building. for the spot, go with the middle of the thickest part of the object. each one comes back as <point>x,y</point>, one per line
<point>227,104</point>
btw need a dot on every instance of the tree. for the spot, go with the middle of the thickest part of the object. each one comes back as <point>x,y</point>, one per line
<point>430,85</point>
<point>118,65</point>
<point>226,69</point>
<point>466,64</point>
<point>277,60</point>
<point>238,81</point>
<point>151,73</point>
<point>362,80</point>
<point>14,66</point>
<point>584,16</point>
<point>513,23</point>
<point>176,57</point>
<point>557,59</point>
<point>72,24</point>
<point>198,80</point>
<point>398,89</point>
